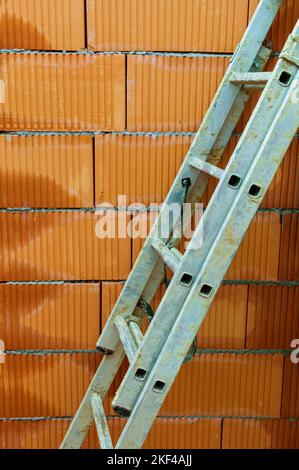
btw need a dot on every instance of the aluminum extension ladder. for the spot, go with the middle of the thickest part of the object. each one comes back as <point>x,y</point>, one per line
<point>156,357</point>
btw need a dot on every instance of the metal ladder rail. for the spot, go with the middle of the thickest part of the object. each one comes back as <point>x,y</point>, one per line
<point>158,274</point>
<point>218,261</point>
<point>99,385</point>
<point>192,261</point>
<point>202,145</point>
<point>103,378</point>
<point>110,365</point>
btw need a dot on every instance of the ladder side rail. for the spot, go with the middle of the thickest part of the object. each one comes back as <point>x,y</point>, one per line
<point>100,384</point>
<point>209,130</point>
<point>238,107</point>
<point>77,431</point>
<point>210,224</point>
<point>101,422</point>
<point>217,151</point>
<point>222,253</point>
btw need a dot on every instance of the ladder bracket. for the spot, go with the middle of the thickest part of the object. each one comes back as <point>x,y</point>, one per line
<point>291,50</point>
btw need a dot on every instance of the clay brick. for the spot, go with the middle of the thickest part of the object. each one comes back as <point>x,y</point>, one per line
<point>178,433</point>
<point>50,316</point>
<point>62,92</point>
<point>172,433</point>
<point>184,433</point>
<point>272,316</point>
<point>46,171</point>
<point>224,326</point>
<point>175,433</point>
<point>290,398</point>
<point>140,167</point>
<point>60,246</point>
<point>289,252</point>
<point>284,191</point>
<point>45,385</point>
<point>110,293</point>
<point>258,255</point>
<point>171,93</point>
<point>166,25</point>
<point>46,434</point>
<point>42,24</point>
<point>227,384</point>
<point>260,434</point>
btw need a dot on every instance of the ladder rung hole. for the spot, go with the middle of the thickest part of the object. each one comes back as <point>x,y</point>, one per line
<point>285,78</point>
<point>186,279</point>
<point>159,386</point>
<point>254,190</point>
<point>234,181</point>
<point>206,290</point>
<point>140,374</point>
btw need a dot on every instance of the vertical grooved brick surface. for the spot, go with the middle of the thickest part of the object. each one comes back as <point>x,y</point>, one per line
<point>46,171</point>
<point>59,246</point>
<point>171,93</point>
<point>42,24</point>
<point>290,398</point>
<point>166,25</point>
<point>62,92</point>
<point>273,319</point>
<point>181,433</point>
<point>45,385</point>
<point>140,167</point>
<point>227,384</point>
<point>258,255</point>
<point>289,248</point>
<point>50,316</point>
<point>260,434</point>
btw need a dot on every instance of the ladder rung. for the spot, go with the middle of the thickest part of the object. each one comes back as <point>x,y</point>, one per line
<point>206,167</point>
<point>253,78</point>
<point>136,332</point>
<point>126,337</point>
<point>171,256</point>
<point>101,422</point>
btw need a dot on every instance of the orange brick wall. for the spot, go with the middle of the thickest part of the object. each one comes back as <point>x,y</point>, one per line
<point>102,98</point>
